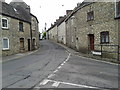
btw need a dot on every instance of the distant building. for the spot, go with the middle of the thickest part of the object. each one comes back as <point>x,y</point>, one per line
<point>17,28</point>
<point>61,29</point>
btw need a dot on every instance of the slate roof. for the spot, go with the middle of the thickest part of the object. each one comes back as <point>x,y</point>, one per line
<point>17,13</point>
<point>61,20</point>
<point>83,4</point>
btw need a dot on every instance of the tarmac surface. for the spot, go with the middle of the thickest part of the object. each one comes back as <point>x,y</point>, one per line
<point>57,66</point>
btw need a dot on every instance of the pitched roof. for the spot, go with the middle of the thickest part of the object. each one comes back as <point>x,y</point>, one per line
<point>61,20</point>
<point>34,17</point>
<point>15,12</point>
<point>83,4</point>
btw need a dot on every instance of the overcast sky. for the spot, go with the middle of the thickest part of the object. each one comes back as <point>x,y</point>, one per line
<point>47,11</point>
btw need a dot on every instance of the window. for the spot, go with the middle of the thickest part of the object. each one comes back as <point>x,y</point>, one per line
<point>5,43</point>
<point>4,23</point>
<point>21,27</point>
<point>104,37</point>
<point>118,8</point>
<point>21,43</point>
<point>90,16</point>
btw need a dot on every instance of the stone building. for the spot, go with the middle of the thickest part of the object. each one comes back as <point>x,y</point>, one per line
<point>61,30</point>
<point>93,25</point>
<point>52,32</point>
<point>35,32</point>
<point>16,28</point>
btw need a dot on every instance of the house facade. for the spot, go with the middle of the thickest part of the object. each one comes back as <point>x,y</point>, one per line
<point>61,30</point>
<point>92,26</point>
<point>16,28</point>
<point>52,33</point>
<point>35,32</point>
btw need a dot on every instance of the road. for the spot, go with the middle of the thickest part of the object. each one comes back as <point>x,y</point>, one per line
<point>52,66</point>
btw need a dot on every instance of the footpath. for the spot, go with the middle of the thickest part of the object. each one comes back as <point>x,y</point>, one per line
<point>90,56</point>
<point>16,56</point>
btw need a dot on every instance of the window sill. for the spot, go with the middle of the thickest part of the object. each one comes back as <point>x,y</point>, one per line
<point>5,49</point>
<point>105,43</point>
<point>5,28</point>
<point>90,20</point>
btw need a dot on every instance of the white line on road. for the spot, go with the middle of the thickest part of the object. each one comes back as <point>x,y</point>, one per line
<point>51,75</point>
<point>44,82</point>
<point>72,84</point>
<point>59,67</point>
<point>62,64</point>
<point>55,71</point>
<point>56,84</point>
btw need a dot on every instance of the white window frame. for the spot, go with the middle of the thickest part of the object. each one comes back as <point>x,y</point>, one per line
<point>3,44</point>
<point>2,23</point>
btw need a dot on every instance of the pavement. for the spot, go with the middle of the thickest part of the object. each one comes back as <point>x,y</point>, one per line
<point>16,56</point>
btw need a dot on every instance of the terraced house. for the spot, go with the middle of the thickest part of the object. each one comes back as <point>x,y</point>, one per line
<point>95,27</point>
<point>19,28</point>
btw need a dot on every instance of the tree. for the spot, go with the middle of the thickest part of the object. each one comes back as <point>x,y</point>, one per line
<point>44,35</point>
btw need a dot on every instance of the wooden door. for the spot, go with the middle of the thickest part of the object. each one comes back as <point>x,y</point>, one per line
<point>91,40</point>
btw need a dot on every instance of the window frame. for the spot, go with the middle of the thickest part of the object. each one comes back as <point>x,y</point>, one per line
<point>23,43</point>
<point>3,44</point>
<point>104,35</point>
<point>21,30</point>
<point>2,23</point>
<point>118,8</point>
<point>90,16</point>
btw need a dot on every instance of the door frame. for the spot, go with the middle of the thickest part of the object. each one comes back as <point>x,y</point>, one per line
<point>29,44</point>
<point>91,41</point>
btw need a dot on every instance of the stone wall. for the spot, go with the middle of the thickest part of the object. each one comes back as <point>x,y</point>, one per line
<point>53,33</point>
<point>14,35</point>
<point>79,28</point>
<point>35,32</point>
<point>62,33</point>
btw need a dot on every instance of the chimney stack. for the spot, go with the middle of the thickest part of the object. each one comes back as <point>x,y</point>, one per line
<point>68,11</point>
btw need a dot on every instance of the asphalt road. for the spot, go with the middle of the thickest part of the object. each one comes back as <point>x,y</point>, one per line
<point>53,67</point>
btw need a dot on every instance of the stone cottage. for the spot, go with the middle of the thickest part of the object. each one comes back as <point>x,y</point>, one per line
<point>17,28</point>
<point>93,26</point>
<point>61,30</point>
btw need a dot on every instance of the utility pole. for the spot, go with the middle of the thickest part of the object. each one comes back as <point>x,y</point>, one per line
<point>45,30</point>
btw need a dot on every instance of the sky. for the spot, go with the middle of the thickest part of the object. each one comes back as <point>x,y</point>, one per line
<point>47,11</point>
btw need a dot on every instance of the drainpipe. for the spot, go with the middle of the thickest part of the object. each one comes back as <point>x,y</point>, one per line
<point>31,36</point>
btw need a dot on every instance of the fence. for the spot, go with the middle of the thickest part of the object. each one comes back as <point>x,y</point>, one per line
<point>109,51</point>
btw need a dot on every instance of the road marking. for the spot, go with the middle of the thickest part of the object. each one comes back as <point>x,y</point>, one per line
<point>83,86</point>
<point>62,64</point>
<point>44,82</point>
<point>56,84</point>
<point>51,75</point>
<point>59,67</point>
<point>55,71</point>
